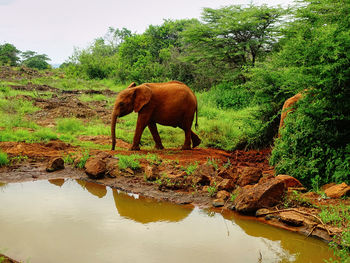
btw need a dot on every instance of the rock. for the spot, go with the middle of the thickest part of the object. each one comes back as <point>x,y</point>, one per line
<point>95,168</point>
<point>288,181</point>
<point>177,176</point>
<point>112,168</point>
<point>205,188</point>
<point>291,218</point>
<point>326,186</point>
<point>265,178</point>
<point>201,179</point>
<point>55,165</point>
<point>338,191</point>
<point>129,172</point>
<point>259,196</point>
<point>249,175</point>
<point>104,155</point>
<point>228,173</point>
<point>222,195</point>
<point>218,203</point>
<point>203,174</point>
<point>226,184</point>
<point>151,173</point>
<point>262,212</point>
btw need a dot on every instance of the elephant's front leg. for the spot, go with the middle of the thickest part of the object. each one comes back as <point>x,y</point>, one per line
<point>153,129</point>
<point>142,122</point>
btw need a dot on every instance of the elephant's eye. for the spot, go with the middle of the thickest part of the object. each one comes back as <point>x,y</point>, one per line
<point>121,104</point>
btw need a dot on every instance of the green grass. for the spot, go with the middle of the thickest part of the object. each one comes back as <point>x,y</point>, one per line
<point>3,159</point>
<point>129,161</point>
<point>42,134</point>
<point>335,215</point>
<point>190,169</point>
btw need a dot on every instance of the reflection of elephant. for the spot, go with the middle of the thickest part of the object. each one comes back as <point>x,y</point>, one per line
<point>98,190</point>
<point>145,210</point>
<point>288,107</point>
<point>58,182</point>
<point>171,104</point>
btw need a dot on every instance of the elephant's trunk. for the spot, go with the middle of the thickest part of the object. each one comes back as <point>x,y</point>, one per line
<point>114,121</point>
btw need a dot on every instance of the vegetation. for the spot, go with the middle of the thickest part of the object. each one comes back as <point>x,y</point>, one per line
<point>129,161</point>
<point>242,63</point>
<point>10,56</point>
<point>3,159</point>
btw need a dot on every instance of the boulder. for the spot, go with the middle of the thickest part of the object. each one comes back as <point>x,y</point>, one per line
<point>95,168</point>
<point>55,165</point>
<point>288,181</point>
<point>112,167</point>
<point>338,190</point>
<point>222,195</point>
<point>226,184</point>
<point>151,173</point>
<point>218,203</point>
<point>249,175</point>
<point>203,174</point>
<point>177,176</point>
<point>291,218</point>
<point>259,196</point>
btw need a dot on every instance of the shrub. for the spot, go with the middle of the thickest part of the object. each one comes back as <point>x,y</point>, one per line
<point>3,158</point>
<point>129,161</point>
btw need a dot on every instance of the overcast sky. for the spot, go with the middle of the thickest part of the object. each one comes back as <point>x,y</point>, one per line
<point>55,27</point>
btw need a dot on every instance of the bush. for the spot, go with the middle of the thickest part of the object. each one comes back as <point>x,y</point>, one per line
<point>3,158</point>
<point>226,95</point>
<point>129,161</point>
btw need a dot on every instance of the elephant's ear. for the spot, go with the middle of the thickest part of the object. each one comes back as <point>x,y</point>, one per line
<point>143,95</point>
<point>132,85</point>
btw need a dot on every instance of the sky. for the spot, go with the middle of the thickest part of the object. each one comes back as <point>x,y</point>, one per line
<point>55,27</point>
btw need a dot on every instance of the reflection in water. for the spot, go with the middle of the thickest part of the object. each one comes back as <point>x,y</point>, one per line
<point>98,190</point>
<point>58,182</point>
<point>299,246</point>
<point>71,225</point>
<point>145,210</point>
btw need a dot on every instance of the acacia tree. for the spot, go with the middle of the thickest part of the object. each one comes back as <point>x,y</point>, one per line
<point>9,55</point>
<point>33,60</point>
<point>232,37</point>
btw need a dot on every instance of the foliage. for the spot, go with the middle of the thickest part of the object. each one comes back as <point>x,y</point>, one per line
<point>9,55</point>
<point>212,190</point>
<point>315,143</point>
<point>3,158</point>
<point>33,60</point>
<point>191,168</point>
<point>230,38</point>
<point>129,161</point>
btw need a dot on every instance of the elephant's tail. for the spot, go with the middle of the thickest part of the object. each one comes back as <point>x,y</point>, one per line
<point>196,124</point>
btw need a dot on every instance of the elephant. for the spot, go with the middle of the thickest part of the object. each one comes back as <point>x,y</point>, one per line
<point>288,107</point>
<point>170,103</point>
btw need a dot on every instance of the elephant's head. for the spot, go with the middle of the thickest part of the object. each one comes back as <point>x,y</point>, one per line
<point>131,99</point>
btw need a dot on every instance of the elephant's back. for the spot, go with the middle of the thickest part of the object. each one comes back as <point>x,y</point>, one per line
<point>174,102</point>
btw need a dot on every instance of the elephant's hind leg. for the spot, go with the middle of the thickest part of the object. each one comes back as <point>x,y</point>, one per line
<point>153,129</point>
<point>195,139</point>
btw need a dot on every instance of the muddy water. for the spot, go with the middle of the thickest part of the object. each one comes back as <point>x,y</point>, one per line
<point>75,221</point>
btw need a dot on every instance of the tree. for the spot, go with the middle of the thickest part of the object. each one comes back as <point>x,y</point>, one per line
<point>33,60</point>
<point>9,55</point>
<point>232,37</point>
<point>315,143</point>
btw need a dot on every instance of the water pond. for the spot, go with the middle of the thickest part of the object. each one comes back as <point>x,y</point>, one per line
<point>76,221</point>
